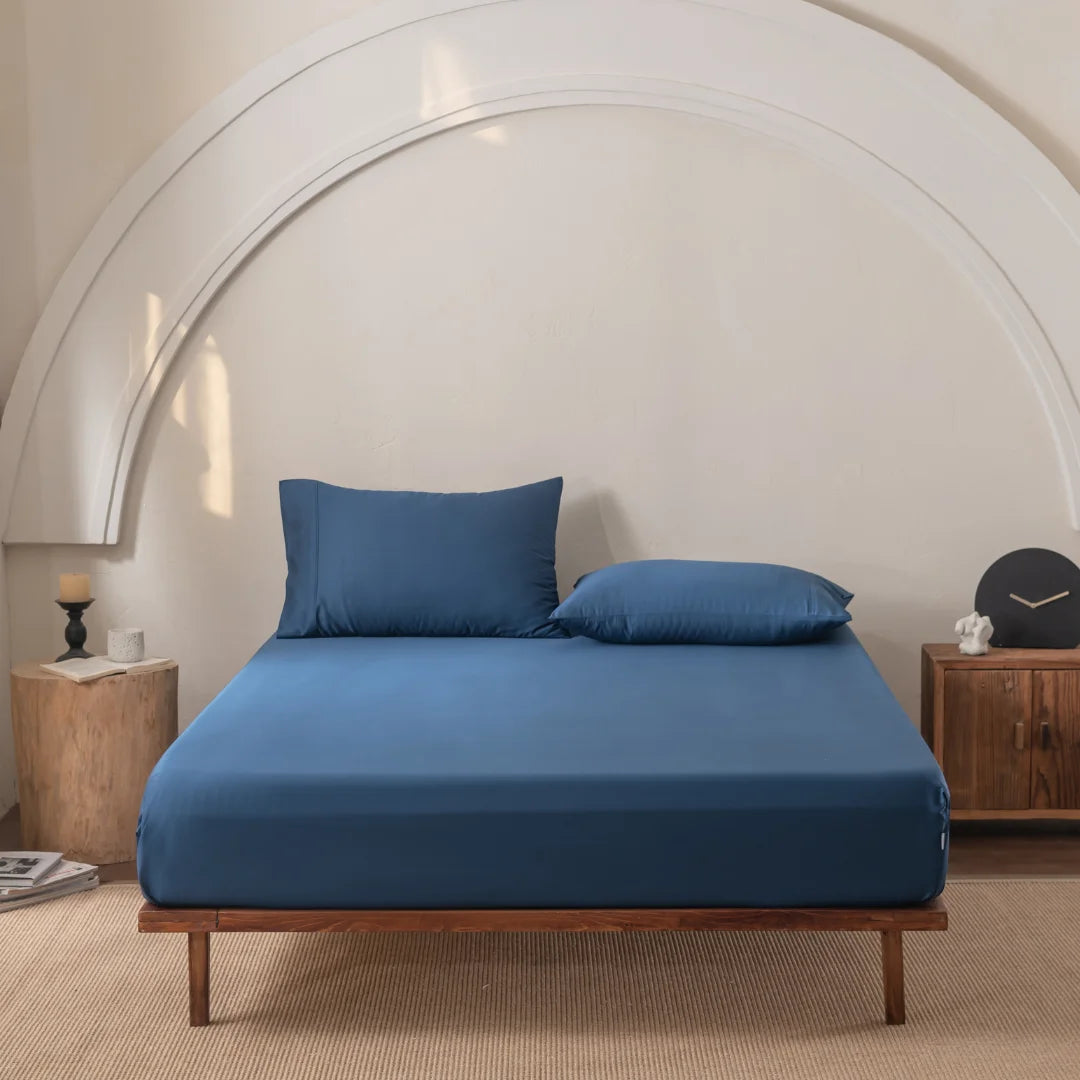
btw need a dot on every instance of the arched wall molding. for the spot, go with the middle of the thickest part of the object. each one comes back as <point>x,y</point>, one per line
<point>855,100</point>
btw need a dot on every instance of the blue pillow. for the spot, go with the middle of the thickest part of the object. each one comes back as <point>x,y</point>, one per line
<point>675,601</point>
<point>382,563</point>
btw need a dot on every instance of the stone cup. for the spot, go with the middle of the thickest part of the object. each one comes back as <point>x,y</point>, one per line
<point>126,646</point>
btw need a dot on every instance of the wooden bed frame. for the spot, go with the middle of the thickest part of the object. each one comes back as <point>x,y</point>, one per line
<point>200,923</point>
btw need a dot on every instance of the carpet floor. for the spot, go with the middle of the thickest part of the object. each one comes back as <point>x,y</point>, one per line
<point>997,996</point>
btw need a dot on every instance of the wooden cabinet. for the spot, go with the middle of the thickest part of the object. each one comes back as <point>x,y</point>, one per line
<point>1055,742</point>
<point>987,739</point>
<point>1005,728</point>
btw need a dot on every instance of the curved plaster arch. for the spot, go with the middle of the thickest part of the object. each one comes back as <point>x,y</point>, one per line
<point>855,100</point>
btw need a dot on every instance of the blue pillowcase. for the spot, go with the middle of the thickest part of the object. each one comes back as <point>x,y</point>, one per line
<point>384,563</point>
<point>675,601</point>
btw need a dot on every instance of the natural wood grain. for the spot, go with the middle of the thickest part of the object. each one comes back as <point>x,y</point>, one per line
<point>968,726</point>
<point>951,657</point>
<point>933,705</point>
<point>83,753</point>
<point>938,714</point>
<point>1003,849</point>
<point>930,916</point>
<point>892,967</point>
<point>199,978</point>
<point>1055,751</point>
<point>928,698</point>
<point>198,924</point>
<point>985,711</point>
<point>154,919</point>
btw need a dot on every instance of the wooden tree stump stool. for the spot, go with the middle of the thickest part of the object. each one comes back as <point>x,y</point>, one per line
<point>83,753</point>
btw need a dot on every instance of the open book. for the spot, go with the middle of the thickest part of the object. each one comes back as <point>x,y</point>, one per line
<point>94,667</point>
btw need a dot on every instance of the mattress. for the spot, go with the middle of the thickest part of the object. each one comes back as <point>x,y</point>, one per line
<point>483,772</point>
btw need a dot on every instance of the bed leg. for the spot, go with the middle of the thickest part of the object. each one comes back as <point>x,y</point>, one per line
<point>199,977</point>
<point>892,966</point>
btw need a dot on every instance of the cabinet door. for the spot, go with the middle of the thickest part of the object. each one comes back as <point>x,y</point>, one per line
<point>1055,743</point>
<point>987,754</point>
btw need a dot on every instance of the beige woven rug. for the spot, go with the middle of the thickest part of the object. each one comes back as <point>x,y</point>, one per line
<point>83,996</point>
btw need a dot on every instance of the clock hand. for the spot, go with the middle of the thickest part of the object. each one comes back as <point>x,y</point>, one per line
<point>1050,599</point>
<point>1020,599</point>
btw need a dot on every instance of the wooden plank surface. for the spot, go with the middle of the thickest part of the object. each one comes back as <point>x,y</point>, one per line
<point>931,916</point>
<point>892,969</point>
<point>1015,659</point>
<point>1055,746</point>
<point>199,978</point>
<point>987,747</point>
<point>1033,816</point>
<point>181,920</point>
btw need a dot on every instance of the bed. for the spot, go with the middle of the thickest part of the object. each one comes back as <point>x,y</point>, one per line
<point>363,783</point>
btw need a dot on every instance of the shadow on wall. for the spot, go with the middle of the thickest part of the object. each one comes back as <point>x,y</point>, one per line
<point>591,528</point>
<point>199,407</point>
<point>166,577</point>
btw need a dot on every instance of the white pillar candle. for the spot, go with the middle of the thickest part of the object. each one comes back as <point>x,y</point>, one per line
<point>74,588</point>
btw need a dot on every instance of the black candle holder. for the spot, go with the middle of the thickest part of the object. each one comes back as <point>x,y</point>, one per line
<point>75,632</point>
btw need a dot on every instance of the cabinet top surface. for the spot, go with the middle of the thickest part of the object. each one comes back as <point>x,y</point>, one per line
<point>33,670</point>
<point>950,656</point>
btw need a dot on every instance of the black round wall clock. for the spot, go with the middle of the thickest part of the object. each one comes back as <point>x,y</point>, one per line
<point>1033,599</point>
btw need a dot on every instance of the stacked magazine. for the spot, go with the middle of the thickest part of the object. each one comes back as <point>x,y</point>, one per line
<point>28,877</point>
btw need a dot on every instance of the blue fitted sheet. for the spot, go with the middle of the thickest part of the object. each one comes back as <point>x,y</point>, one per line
<point>485,772</point>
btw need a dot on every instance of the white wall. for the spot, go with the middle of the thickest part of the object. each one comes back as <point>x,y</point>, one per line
<point>1018,56</point>
<point>106,83</point>
<point>728,352</point>
<point>18,300</point>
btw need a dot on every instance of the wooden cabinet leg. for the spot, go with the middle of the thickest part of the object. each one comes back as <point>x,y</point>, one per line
<point>892,966</point>
<point>199,977</point>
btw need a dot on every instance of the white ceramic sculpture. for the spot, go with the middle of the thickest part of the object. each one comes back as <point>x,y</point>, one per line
<point>975,631</point>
